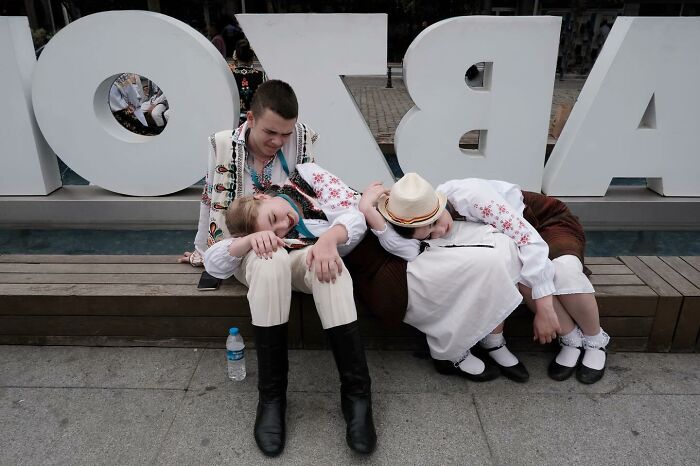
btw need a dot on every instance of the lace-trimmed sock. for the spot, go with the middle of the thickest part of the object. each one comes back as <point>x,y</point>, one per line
<point>594,350</point>
<point>570,348</point>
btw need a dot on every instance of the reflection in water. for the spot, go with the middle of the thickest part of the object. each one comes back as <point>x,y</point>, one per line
<point>138,104</point>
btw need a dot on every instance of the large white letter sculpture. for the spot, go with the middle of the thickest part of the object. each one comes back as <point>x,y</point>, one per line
<point>513,108</point>
<point>638,115</point>
<point>310,52</point>
<point>29,166</point>
<point>71,87</point>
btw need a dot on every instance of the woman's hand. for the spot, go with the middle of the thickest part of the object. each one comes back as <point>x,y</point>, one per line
<point>193,258</point>
<point>324,259</point>
<point>263,243</point>
<point>546,324</point>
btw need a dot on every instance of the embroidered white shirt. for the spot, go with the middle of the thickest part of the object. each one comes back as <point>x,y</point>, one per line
<point>337,201</point>
<point>493,203</point>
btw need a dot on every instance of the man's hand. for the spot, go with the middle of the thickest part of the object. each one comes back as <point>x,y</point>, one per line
<point>546,324</point>
<point>325,261</point>
<point>264,243</point>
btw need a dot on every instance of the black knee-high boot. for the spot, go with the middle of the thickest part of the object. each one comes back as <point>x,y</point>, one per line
<point>271,345</point>
<point>355,386</point>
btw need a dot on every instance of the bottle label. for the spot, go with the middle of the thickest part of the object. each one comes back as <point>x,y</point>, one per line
<point>235,355</point>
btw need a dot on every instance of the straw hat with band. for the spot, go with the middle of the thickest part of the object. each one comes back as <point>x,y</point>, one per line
<point>412,202</point>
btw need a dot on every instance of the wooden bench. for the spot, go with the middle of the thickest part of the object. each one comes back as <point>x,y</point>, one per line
<point>647,303</point>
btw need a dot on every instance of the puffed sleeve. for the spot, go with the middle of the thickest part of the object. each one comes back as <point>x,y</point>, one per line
<point>406,249</point>
<point>337,201</point>
<point>218,262</point>
<point>478,201</point>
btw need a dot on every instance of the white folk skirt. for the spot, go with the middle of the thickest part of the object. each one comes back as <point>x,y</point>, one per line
<point>458,295</point>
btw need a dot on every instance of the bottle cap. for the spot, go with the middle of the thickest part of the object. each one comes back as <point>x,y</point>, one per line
<point>233,331</point>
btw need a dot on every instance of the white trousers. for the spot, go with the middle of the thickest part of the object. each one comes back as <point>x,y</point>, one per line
<point>270,283</point>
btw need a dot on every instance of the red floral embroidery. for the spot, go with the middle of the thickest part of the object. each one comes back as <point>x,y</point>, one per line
<point>502,208</point>
<point>334,193</point>
<point>334,180</point>
<point>349,194</point>
<point>319,177</point>
<point>524,239</point>
<point>507,224</point>
<point>345,203</point>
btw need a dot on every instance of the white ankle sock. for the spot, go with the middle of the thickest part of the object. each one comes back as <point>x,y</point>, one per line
<point>594,356</point>
<point>472,365</point>
<point>568,356</point>
<point>570,351</point>
<point>502,355</point>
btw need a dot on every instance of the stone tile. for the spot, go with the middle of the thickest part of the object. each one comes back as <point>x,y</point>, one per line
<point>216,428</point>
<point>626,373</point>
<point>211,373</point>
<point>76,366</point>
<point>554,429</point>
<point>315,370</point>
<point>430,428</point>
<point>402,372</point>
<point>83,426</point>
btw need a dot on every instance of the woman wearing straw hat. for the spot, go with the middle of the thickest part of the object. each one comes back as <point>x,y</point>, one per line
<point>465,277</point>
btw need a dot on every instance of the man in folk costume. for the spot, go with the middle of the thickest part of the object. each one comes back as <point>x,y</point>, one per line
<point>251,160</point>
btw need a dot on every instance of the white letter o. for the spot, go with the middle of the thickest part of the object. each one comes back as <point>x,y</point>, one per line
<point>70,96</point>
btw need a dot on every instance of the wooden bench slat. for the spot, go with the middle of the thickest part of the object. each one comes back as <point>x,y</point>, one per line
<point>132,306</point>
<point>692,260</point>
<point>624,290</point>
<point>673,278</point>
<point>86,259</point>
<point>609,269</point>
<point>602,261</point>
<point>100,268</point>
<point>13,289</point>
<point>615,280</point>
<point>688,272</point>
<point>653,280</point>
<point>101,278</point>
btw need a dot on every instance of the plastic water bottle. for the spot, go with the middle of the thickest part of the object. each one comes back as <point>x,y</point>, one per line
<point>235,355</point>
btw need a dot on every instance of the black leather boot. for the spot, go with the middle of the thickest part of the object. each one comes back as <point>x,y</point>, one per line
<point>355,386</point>
<point>270,430</point>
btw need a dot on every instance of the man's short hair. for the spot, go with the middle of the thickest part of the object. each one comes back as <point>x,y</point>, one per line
<point>277,96</point>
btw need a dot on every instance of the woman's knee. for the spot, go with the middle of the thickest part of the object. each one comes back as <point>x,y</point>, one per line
<point>275,268</point>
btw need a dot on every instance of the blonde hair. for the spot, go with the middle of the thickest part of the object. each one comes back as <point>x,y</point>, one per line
<point>242,216</point>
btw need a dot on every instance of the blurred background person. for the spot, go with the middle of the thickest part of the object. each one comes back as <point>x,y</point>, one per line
<point>247,77</point>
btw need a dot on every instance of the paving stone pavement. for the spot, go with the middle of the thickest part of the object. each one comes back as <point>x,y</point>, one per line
<point>384,107</point>
<point>175,406</point>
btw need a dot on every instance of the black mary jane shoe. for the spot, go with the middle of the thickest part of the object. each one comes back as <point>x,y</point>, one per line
<point>517,373</point>
<point>560,373</point>
<point>490,371</point>
<point>587,375</point>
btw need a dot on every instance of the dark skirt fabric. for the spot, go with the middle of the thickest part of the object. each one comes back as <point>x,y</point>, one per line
<point>379,280</point>
<point>553,220</point>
